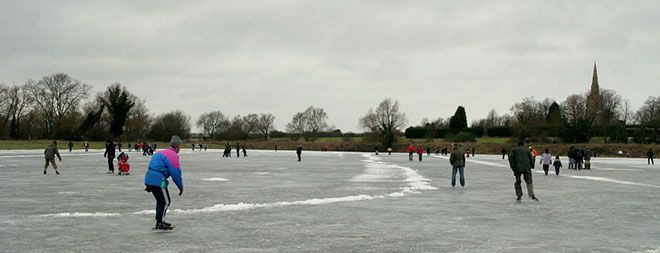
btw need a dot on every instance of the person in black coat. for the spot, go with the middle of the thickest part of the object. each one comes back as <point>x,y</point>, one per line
<point>650,156</point>
<point>110,155</point>
<point>299,152</point>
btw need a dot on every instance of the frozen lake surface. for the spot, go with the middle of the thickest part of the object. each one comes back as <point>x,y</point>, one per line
<point>330,202</point>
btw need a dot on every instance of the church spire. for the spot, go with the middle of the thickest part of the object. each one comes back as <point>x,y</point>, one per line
<point>595,89</point>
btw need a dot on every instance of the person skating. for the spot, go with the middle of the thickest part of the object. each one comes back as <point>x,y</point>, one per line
<point>238,149</point>
<point>503,151</point>
<point>546,160</point>
<point>389,151</point>
<point>557,165</point>
<point>457,161</point>
<point>649,157</point>
<point>376,149</point>
<point>70,145</point>
<point>119,146</point>
<point>411,151</point>
<point>86,146</point>
<point>474,152</point>
<point>163,165</point>
<point>49,154</point>
<point>193,147</point>
<point>244,152</point>
<point>110,155</point>
<point>521,162</point>
<point>299,152</point>
<point>200,147</point>
<point>587,159</point>
<point>428,151</point>
<point>420,153</point>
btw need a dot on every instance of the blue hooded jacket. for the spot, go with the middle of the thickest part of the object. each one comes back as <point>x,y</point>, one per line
<point>164,164</point>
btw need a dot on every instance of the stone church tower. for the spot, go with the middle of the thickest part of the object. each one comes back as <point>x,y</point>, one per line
<point>594,100</point>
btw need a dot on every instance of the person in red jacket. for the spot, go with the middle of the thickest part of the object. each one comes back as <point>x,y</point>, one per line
<point>411,150</point>
<point>420,152</point>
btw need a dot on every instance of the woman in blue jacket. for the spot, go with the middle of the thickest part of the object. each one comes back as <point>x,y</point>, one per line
<point>164,164</point>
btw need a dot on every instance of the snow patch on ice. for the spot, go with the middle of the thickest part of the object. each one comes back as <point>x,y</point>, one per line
<point>378,171</point>
<point>262,173</point>
<point>218,179</point>
<point>653,250</point>
<point>247,206</point>
<point>76,214</point>
<point>67,193</point>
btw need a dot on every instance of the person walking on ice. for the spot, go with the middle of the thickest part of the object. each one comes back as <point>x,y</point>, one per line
<point>299,152</point>
<point>521,162</point>
<point>649,156</point>
<point>546,160</point>
<point>557,164</point>
<point>50,153</point>
<point>457,161</point>
<point>164,164</point>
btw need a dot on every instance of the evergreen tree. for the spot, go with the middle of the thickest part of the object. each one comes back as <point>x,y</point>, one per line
<point>119,102</point>
<point>459,120</point>
<point>554,114</point>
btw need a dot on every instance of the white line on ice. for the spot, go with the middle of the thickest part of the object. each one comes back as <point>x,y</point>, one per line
<point>605,179</point>
<point>76,214</point>
<point>216,179</point>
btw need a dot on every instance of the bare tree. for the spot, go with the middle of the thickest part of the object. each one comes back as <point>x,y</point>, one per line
<point>168,124</point>
<point>56,96</point>
<point>138,122</point>
<point>251,123</point>
<point>309,123</point>
<point>625,111</point>
<point>648,114</point>
<point>385,122</point>
<point>213,123</point>
<point>574,107</point>
<point>611,102</point>
<point>266,124</point>
<point>492,119</point>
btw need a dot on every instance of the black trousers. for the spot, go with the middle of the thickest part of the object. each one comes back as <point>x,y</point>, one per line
<point>111,164</point>
<point>162,196</point>
<point>650,161</point>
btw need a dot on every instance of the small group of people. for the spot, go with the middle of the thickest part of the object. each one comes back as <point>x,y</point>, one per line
<point>200,147</point>
<point>579,157</point>
<point>227,151</point>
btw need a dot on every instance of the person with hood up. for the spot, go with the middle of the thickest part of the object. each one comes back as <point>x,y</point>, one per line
<point>50,153</point>
<point>164,164</point>
<point>521,162</point>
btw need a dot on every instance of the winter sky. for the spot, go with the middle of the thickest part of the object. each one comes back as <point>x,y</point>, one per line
<point>280,57</point>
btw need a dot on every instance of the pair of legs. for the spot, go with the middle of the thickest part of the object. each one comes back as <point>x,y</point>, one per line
<point>420,157</point>
<point>460,170</point>
<point>587,164</point>
<point>51,161</point>
<point>546,167</point>
<point>111,164</point>
<point>527,175</point>
<point>650,161</point>
<point>162,196</point>
<point>557,170</point>
<point>410,156</point>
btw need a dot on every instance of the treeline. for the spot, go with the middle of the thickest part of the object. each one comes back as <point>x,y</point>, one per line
<point>61,107</point>
<point>575,120</point>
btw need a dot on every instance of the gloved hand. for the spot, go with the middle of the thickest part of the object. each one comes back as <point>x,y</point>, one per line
<point>180,192</point>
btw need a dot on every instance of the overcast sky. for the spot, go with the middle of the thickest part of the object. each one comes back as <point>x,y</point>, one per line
<point>280,57</point>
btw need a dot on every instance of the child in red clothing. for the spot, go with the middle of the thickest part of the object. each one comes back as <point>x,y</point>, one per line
<point>124,167</point>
